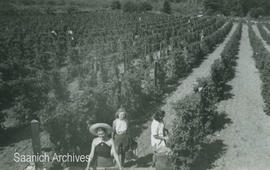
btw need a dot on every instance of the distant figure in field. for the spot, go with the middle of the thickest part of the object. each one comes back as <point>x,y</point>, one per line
<point>103,148</point>
<point>158,134</point>
<point>120,133</point>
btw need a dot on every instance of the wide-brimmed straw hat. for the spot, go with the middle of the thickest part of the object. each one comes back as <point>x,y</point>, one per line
<point>94,127</point>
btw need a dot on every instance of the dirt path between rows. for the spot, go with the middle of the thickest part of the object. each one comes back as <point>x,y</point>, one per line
<point>185,88</point>
<point>247,139</point>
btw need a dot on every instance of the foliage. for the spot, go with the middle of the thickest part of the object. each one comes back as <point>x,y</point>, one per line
<point>256,12</point>
<point>217,74</point>
<point>208,43</point>
<point>237,7</point>
<point>223,69</point>
<point>66,121</point>
<point>28,2</point>
<point>262,59</point>
<point>197,113</point>
<point>69,69</point>
<point>132,97</point>
<point>141,6</point>
<point>192,125</point>
<point>145,6</point>
<point>115,5</point>
<point>72,9</point>
<point>167,7</point>
<point>212,6</point>
<point>229,54</point>
<point>233,8</point>
<point>176,65</point>
<point>187,134</point>
<point>7,8</point>
<point>130,6</point>
<point>264,33</point>
<point>2,120</point>
<point>51,10</point>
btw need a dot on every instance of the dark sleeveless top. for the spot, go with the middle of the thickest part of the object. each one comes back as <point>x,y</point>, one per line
<point>103,156</point>
<point>103,150</point>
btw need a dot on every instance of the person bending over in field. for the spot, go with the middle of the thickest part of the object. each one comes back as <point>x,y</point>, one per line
<point>159,135</point>
<point>103,148</point>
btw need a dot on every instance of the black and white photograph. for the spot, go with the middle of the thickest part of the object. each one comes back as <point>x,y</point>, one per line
<point>134,84</point>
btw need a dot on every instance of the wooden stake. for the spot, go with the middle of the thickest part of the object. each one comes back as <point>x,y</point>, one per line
<point>36,142</point>
<point>155,73</point>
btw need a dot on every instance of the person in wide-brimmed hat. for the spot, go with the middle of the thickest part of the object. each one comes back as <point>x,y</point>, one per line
<point>103,149</point>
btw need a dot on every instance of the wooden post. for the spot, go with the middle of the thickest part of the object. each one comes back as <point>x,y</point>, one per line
<point>145,52</point>
<point>159,54</point>
<point>155,73</point>
<point>95,64</point>
<point>119,95</point>
<point>125,60</point>
<point>36,142</point>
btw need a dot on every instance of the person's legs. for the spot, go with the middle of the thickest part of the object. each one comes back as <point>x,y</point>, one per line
<point>123,155</point>
<point>154,159</point>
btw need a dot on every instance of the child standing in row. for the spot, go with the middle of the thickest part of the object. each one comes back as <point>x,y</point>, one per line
<point>120,133</point>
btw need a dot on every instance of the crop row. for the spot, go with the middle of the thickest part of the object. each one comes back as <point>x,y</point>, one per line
<point>197,114</point>
<point>262,59</point>
<point>264,33</point>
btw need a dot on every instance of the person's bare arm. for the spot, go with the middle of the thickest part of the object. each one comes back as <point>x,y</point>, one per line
<point>114,127</point>
<point>154,131</point>
<point>161,137</point>
<point>128,129</point>
<point>91,155</point>
<point>115,155</point>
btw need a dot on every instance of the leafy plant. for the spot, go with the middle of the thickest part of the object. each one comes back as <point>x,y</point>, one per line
<point>115,5</point>
<point>192,125</point>
<point>261,56</point>
<point>167,7</point>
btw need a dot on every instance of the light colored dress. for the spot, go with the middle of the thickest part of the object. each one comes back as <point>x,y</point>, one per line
<point>121,138</point>
<point>157,128</point>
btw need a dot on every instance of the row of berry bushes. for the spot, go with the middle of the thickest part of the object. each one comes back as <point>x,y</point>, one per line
<point>36,58</point>
<point>262,59</point>
<point>264,33</point>
<point>181,61</point>
<point>267,25</point>
<point>223,69</point>
<point>198,50</point>
<point>197,113</point>
<point>132,6</point>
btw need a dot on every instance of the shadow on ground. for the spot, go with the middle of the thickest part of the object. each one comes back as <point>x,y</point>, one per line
<point>227,92</point>
<point>210,152</point>
<point>145,161</point>
<point>14,134</point>
<point>220,121</point>
<point>208,155</point>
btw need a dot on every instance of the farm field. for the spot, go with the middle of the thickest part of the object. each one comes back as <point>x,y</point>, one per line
<point>210,74</point>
